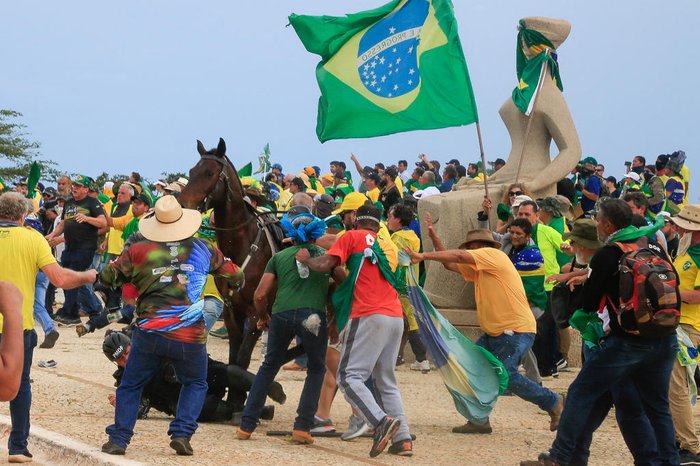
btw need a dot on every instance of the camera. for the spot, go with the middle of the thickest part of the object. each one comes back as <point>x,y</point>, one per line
<point>628,164</point>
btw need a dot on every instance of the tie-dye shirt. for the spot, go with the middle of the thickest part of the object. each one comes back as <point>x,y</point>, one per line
<point>170,278</point>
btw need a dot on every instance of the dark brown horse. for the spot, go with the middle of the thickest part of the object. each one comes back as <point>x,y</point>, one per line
<point>214,183</point>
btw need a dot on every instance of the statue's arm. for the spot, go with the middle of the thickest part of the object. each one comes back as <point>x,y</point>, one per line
<point>560,126</point>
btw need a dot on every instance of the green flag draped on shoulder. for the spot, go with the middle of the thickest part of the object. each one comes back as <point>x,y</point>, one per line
<point>399,67</point>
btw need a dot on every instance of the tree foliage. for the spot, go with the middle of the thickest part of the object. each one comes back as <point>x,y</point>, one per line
<point>172,177</point>
<point>17,152</point>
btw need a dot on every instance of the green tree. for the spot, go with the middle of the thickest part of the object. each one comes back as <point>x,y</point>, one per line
<point>172,177</point>
<point>17,152</point>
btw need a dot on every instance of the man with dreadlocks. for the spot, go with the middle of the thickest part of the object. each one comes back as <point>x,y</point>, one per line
<point>298,310</point>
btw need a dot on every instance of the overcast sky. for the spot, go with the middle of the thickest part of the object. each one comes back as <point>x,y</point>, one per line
<point>121,86</point>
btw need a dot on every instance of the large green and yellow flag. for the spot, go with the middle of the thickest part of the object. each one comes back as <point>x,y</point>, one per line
<point>399,67</point>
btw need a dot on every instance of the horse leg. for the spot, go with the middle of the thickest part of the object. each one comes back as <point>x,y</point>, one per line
<point>246,348</point>
<point>234,326</point>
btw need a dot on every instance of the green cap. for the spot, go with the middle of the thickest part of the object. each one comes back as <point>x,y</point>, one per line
<point>83,180</point>
<point>589,160</point>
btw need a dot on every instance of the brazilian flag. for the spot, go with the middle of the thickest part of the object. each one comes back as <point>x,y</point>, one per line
<point>399,67</point>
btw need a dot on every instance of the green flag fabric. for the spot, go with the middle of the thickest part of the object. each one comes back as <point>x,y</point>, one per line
<point>399,67</point>
<point>264,160</point>
<point>33,179</point>
<point>531,71</point>
<point>246,170</point>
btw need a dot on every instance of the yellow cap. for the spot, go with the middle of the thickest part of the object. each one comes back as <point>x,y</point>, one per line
<point>352,201</point>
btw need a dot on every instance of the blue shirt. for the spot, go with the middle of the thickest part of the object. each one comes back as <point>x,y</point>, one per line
<point>593,186</point>
<point>446,186</point>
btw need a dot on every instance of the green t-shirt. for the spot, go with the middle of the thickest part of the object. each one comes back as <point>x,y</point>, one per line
<point>294,292</point>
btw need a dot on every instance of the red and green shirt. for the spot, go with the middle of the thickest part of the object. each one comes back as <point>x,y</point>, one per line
<point>170,278</point>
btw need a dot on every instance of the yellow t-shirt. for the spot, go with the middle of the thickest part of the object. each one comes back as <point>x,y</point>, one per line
<point>501,303</point>
<point>115,243</point>
<point>23,252</point>
<point>689,280</point>
<point>685,173</point>
<point>373,194</point>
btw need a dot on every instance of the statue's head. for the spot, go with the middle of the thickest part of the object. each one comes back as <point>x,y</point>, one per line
<point>556,30</point>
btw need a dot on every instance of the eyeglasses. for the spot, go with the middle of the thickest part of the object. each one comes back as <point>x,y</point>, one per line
<point>514,193</point>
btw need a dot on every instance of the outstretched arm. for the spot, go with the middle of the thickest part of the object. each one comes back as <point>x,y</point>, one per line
<point>12,342</point>
<point>320,264</point>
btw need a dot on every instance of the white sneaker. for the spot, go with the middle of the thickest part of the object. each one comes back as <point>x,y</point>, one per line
<point>356,428</point>
<point>423,366</point>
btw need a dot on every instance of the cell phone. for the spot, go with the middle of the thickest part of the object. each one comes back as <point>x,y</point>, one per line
<point>628,164</point>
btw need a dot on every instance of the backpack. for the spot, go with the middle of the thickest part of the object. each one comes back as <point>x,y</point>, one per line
<point>650,300</point>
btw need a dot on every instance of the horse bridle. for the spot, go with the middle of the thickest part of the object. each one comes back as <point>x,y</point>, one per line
<point>223,178</point>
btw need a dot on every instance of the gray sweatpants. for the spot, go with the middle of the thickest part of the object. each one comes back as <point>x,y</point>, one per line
<point>370,347</point>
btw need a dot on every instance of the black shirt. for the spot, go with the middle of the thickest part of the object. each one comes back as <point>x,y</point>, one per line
<point>389,198</point>
<point>604,281</point>
<point>81,235</point>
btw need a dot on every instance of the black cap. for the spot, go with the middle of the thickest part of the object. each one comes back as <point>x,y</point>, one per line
<point>366,170</point>
<point>454,162</point>
<point>423,165</point>
<point>50,191</point>
<point>374,177</point>
<point>114,345</point>
<point>50,205</point>
<point>143,198</point>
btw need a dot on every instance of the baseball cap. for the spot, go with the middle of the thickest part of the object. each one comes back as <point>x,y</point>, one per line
<point>352,201</point>
<point>520,199</point>
<point>374,177</point>
<point>277,166</point>
<point>634,176</point>
<point>82,180</point>
<point>143,198</point>
<point>453,162</point>
<point>50,191</point>
<point>589,160</point>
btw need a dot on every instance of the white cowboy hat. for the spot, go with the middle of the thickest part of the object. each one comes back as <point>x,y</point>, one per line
<point>168,221</point>
<point>688,218</point>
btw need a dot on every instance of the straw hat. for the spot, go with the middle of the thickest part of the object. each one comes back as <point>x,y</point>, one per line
<point>688,218</point>
<point>482,235</point>
<point>169,221</point>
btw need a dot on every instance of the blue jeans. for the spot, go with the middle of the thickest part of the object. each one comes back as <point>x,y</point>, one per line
<point>20,406</point>
<point>212,310</point>
<point>283,327</point>
<point>40,313</point>
<point>147,351</point>
<point>82,296</point>
<point>510,349</point>
<point>621,360</point>
<point>631,419</point>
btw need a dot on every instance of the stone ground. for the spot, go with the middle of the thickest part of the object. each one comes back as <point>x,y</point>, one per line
<point>71,400</point>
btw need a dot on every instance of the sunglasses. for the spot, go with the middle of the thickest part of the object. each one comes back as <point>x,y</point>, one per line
<point>514,193</point>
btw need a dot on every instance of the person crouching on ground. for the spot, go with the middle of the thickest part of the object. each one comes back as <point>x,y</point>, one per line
<point>169,269</point>
<point>503,311</point>
<point>298,310</point>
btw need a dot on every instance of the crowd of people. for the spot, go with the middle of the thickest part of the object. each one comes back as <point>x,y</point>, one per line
<point>542,268</point>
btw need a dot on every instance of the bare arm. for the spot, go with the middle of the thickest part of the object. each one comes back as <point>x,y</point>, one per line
<point>58,231</point>
<point>451,256</point>
<point>326,241</point>
<point>12,342</point>
<point>320,264</point>
<point>358,167</point>
<point>66,278</point>
<point>690,296</point>
<point>437,242</point>
<point>267,285</point>
<point>99,222</point>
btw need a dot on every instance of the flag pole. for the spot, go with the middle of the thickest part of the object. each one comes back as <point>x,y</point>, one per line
<point>483,169</point>
<point>540,82</point>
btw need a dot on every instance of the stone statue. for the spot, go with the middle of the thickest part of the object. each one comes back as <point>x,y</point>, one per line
<point>454,213</point>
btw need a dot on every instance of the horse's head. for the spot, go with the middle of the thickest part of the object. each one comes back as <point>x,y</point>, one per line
<point>204,187</point>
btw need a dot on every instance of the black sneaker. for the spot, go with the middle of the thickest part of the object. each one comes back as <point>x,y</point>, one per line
<point>181,446</point>
<point>402,448</point>
<point>112,448</point>
<point>688,457</point>
<point>23,457</point>
<point>50,339</point>
<point>382,435</point>
<point>67,321</point>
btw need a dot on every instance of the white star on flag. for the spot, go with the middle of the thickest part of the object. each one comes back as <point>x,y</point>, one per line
<point>411,71</point>
<point>391,30</point>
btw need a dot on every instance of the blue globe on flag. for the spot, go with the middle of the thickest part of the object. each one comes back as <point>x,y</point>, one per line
<point>387,59</point>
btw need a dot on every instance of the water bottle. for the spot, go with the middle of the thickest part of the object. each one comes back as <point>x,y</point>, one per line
<point>303,270</point>
<point>114,316</point>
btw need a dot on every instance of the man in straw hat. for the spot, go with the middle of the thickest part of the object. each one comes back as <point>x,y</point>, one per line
<point>688,268</point>
<point>169,269</point>
<point>503,312</point>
